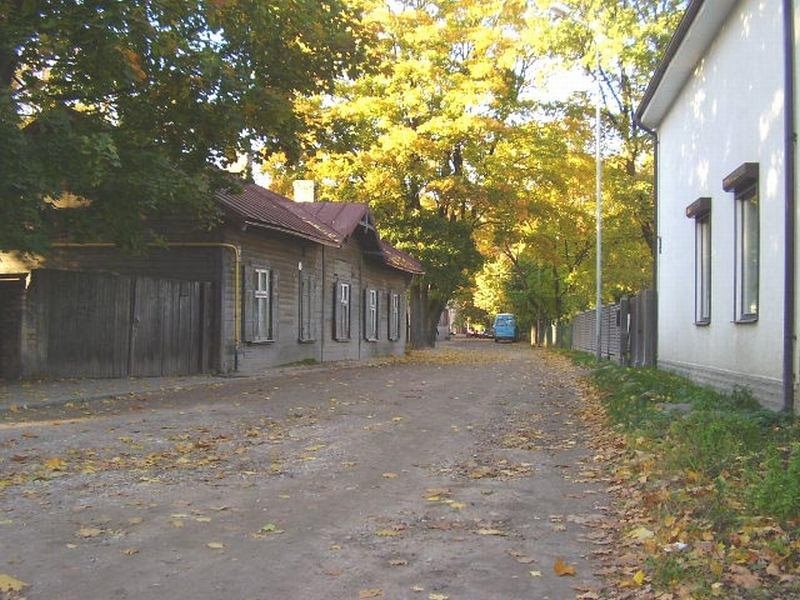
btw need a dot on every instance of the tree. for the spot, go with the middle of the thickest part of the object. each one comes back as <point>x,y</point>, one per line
<point>130,108</point>
<point>413,135</point>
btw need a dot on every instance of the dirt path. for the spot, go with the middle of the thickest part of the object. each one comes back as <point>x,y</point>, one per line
<point>459,474</point>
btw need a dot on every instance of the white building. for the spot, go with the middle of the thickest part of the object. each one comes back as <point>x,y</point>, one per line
<point>722,105</point>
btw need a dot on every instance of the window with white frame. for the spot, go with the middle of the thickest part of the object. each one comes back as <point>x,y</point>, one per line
<point>700,211</point>
<point>394,316</point>
<point>371,315</point>
<point>263,314</point>
<point>342,311</point>
<point>743,182</point>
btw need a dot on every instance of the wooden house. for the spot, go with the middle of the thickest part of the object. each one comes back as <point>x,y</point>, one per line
<point>277,282</point>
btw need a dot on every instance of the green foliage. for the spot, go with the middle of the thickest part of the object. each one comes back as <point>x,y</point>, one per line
<point>749,453</point>
<point>129,108</point>
<point>776,488</point>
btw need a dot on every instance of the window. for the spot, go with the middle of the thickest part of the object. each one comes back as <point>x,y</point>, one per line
<point>700,211</point>
<point>263,314</point>
<point>307,303</point>
<point>747,254</point>
<point>394,316</point>
<point>743,182</point>
<point>371,315</point>
<point>341,309</point>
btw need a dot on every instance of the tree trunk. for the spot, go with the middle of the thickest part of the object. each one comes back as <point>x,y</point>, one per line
<point>425,315</point>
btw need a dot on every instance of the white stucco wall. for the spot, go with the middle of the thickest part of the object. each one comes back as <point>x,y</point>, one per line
<point>730,112</point>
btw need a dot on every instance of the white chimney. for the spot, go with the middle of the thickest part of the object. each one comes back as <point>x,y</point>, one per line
<point>303,190</point>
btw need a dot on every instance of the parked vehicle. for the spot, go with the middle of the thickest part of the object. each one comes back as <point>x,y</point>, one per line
<point>505,327</point>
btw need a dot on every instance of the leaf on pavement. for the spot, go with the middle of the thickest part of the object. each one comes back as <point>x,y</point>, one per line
<point>561,568</point>
<point>370,593</point>
<point>638,577</point>
<point>11,584</point>
<point>438,597</point>
<point>88,532</point>
<point>489,531</point>
<point>215,545</point>
<point>535,573</point>
<point>390,475</point>
<point>55,464</point>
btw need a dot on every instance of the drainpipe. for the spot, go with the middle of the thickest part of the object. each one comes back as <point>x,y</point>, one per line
<point>237,259</point>
<point>789,216</point>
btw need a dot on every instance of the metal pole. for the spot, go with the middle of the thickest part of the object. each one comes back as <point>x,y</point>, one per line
<point>598,159</point>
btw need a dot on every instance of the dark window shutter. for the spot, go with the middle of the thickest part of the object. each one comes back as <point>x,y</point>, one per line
<point>248,302</point>
<point>365,313</point>
<point>274,318</point>
<point>337,312</point>
<point>312,305</point>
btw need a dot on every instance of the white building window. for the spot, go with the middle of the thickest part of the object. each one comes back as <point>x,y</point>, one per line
<point>743,182</point>
<point>700,211</point>
<point>371,315</point>
<point>702,281</point>
<point>263,318</point>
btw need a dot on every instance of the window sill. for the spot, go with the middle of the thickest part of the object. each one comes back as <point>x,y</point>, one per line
<point>341,340</point>
<point>371,340</point>
<point>306,341</point>
<point>746,319</point>
<point>703,323</point>
<point>260,342</point>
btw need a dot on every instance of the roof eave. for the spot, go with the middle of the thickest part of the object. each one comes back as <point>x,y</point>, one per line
<point>291,232</point>
<point>699,26</point>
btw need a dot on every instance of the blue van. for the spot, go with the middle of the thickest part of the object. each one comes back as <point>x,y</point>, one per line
<point>505,327</point>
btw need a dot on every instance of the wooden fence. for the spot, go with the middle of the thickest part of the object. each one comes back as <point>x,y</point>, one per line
<point>628,331</point>
<point>88,324</point>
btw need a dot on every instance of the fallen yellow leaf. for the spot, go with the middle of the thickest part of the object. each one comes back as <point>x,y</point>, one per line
<point>88,532</point>
<point>55,464</point>
<point>638,577</point>
<point>561,568</point>
<point>535,573</point>
<point>215,545</point>
<point>438,597</point>
<point>370,593</point>
<point>11,584</point>
<point>387,533</point>
<point>390,475</point>
<point>491,532</point>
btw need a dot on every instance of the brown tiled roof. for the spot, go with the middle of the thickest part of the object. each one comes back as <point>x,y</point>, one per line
<point>342,217</point>
<point>328,223</point>
<point>398,259</point>
<point>260,206</point>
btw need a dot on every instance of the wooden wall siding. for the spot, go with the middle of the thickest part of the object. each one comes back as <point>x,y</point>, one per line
<point>282,254</point>
<point>193,264</point>
<point>376,276</point>
<point>12,297</point>
<point>104,325</point>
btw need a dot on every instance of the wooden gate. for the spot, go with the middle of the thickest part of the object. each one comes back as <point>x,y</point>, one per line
<point>104,325</point>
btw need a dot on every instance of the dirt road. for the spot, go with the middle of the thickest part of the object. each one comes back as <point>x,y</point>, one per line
<point>460,474</point>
